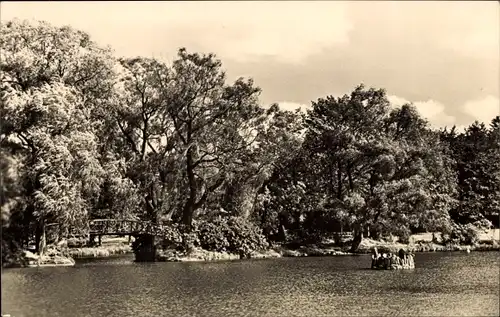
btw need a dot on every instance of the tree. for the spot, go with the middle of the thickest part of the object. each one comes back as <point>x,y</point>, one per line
<point>185,130</point>
<point>214,122</point>
<point>476,153</point>
<point>60,168</point>
<point>276,138</point>
<point>51,80</point>
<point>380,168</point>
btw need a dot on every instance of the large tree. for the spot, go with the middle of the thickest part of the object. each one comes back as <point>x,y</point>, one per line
<point>187,132</point>
<point>383,169</point>
<point>51,80</point>
<point>476,153</point>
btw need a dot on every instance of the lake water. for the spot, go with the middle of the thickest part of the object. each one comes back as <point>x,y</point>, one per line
<point>443,284</point>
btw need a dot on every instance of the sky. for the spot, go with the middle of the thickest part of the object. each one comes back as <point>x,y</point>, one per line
<point>441,56</point>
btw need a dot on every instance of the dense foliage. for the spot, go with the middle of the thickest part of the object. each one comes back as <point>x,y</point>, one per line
<point>86,135</point>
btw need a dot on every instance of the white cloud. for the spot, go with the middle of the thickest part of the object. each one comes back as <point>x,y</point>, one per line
<point>397,101</point>
<point>432,110</point>
<point>483,110</point>
<point>292,106</point>
<point>290,31</point>
<point>461,127</point>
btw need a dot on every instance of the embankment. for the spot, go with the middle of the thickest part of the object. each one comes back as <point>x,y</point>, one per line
<point>77,248</point>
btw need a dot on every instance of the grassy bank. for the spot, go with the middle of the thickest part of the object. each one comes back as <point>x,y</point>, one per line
<point>488,241</point>
<point>66,251</point>
<point>419,243</point>
<point>200,255</point>
<point>52,257</point>
<point>98,252</point>
<point>110,246</point>
<point>367,246</point>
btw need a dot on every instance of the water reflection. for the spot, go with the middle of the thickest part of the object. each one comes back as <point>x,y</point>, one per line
<point>442,285</point>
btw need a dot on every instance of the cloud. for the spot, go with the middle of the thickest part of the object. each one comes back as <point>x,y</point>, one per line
<point>433,53</point>
<point>476,37</point>
<point>461,127</point>
<point>432,110</point>
<point>289,31</point>
<point>397,101</point>
<point>292,106</point>
<point>484,109</point>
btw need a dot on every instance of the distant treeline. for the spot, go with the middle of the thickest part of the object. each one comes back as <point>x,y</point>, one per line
<point>87,135</point>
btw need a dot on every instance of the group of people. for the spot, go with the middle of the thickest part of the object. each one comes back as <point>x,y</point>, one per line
<point>402,260</point>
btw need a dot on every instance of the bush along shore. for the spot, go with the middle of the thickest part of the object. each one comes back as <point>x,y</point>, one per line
<point>51,257</point>
<point>62,255</point>
<point>230,238</point>
<point>198,254</point>
<point>65,251</point>
<point>234,238</point>
<point>79,248</point>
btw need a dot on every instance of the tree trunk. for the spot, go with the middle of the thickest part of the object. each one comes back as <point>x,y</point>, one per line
<point>264,217</point>
<point>358,237</point>
<point>339,181</point>
<point>38,235</point>
<point>187,214</point>
<point>249,193</point>
<point>282,233</point>
<point>255,199</point>
<point>281,228</point>
<point>41,243</point>
<point>351,182</point>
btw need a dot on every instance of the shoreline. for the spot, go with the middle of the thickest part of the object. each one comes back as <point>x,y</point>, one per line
<point>367,246</point>
<point>98,252</point>
<point>200,255</point>
<point>57,256</point>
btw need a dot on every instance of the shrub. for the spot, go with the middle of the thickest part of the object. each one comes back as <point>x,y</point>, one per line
<point>77,242</point>
<point>232,234</point>
<point>404,238</point>
<point>11,253</point>
<point>463,234</point>
<point>171,236</point>
<point>213,236</point>
<point>222,234</point>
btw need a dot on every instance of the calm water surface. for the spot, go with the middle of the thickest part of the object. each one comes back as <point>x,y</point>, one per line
<point>443,284</point>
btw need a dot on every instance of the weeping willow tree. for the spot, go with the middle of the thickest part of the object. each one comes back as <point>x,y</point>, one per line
<point>52,78</point>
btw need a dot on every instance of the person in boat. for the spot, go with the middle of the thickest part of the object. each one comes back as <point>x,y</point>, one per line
<point>402,254</point>
<point>375,257</point>
<point>386,260</point>
<point>395,260</point>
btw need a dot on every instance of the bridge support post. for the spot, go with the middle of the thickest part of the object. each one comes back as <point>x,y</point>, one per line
<point>144,248</point>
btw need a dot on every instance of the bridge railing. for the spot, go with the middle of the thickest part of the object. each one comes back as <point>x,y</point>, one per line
<point>100,226</point>
<point>58,229</point>
<point>107,227</point>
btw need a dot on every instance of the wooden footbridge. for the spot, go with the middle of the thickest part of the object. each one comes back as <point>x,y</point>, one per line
<point>101,227</point>
<point>143,231</point>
